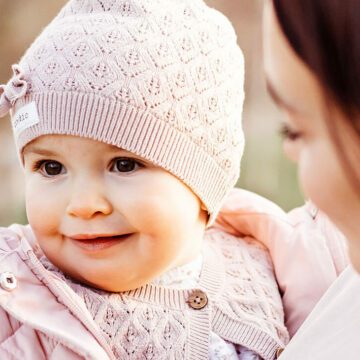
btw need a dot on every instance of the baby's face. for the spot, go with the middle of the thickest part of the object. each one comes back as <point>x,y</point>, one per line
<point>105,216</point>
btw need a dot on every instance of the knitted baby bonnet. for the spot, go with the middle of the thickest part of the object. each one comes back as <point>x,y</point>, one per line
<point>162,79</point>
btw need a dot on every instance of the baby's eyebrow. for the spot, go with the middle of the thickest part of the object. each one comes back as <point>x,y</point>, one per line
<point>39,151</point>
<point>114,148</point>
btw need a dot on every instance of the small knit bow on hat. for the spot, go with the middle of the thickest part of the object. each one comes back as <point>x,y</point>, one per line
<point>12,91</point>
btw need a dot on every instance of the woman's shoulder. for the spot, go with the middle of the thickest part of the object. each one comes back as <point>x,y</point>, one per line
<point>339,306</point>
<point>309,220</point>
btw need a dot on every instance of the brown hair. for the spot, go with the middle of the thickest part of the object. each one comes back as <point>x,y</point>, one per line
<point>325,34</point>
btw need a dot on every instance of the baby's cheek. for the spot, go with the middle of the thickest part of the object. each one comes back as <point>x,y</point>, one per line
<point>173,201</point>
<point>42,212</point>
<point>155,215</point>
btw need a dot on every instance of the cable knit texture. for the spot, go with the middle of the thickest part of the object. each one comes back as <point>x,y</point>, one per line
<point>162,79</point>
<point>155,322</point>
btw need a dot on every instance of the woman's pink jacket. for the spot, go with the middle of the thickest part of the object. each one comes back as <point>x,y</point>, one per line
<point>307,251</point>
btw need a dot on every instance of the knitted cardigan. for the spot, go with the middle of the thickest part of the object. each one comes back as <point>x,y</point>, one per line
<point>244,304</point>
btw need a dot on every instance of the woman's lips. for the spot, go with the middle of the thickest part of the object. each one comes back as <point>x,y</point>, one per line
<point>98,243</point>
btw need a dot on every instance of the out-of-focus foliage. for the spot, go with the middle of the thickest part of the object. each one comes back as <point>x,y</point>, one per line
<point>265,169</point>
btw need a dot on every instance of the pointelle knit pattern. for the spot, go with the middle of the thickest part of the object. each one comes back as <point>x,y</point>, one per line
<point>162,79</point>
<point>155,322</point>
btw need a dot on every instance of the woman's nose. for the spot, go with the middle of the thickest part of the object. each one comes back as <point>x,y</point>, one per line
<point>88,201</point>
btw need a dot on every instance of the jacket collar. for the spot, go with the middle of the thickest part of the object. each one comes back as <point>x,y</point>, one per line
<point>33,302</point>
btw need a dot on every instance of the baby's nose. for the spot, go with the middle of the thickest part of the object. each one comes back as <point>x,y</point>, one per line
<point>88,202</point>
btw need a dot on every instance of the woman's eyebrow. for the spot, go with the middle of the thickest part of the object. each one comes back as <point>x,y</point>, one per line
<point>277,98</point>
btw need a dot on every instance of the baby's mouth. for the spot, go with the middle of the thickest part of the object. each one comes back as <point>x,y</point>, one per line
<point>98,242</point>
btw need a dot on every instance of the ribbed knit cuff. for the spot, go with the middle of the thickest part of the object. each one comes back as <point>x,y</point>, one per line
<point>252,337</point>
<point>137,131</point>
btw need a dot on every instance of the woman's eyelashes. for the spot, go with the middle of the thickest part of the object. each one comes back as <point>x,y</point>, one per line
<point>125,165</point>
<point>288,133</point>
<point>49,168</point>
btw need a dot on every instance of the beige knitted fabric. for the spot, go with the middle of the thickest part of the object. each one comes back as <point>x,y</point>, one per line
<point>156,322</point>
<point>161,78</point>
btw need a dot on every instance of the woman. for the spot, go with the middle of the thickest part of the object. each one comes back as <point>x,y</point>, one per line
<point>312,53</point>
<point>312,50</point>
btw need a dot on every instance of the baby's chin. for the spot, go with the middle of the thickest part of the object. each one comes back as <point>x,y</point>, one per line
<point>115,286</point>
<point>110,283</point>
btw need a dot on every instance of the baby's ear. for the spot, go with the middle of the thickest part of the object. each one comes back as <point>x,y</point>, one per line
<point>205,214</point>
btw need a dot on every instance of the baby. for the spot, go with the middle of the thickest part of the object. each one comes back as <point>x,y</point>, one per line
<point>126,117</point>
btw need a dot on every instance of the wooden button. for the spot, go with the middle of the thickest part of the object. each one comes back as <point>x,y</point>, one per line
<point>197,300</point>
<point>279,351</point>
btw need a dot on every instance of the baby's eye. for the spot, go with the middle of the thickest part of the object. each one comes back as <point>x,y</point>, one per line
<point>50,168</point>
<point>124,165</point>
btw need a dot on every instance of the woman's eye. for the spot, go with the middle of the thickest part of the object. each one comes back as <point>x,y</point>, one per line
<point>288,134</point>
<point>52,168</point>
<point>124,165</point>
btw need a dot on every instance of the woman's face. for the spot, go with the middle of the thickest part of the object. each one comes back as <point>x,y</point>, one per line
<point>307,139</point>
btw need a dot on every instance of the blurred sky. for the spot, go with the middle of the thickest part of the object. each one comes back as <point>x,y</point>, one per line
<point>264,168</point>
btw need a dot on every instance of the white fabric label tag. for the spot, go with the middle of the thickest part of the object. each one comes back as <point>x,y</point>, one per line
<point>25,117</point>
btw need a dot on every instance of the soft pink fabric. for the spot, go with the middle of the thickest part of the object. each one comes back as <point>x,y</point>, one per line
<point>244,307</point>
<point>308,252</point>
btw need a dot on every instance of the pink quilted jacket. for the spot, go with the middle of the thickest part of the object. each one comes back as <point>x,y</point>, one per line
<point>307,251</point>
<point>34,324</point>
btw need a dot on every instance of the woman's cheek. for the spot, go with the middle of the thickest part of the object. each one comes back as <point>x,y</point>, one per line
<point>291,150</point>
<point>316,176</point>
<point>309,173</point>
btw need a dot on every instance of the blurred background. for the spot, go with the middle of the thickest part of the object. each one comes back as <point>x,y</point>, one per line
<point>264,168</point>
